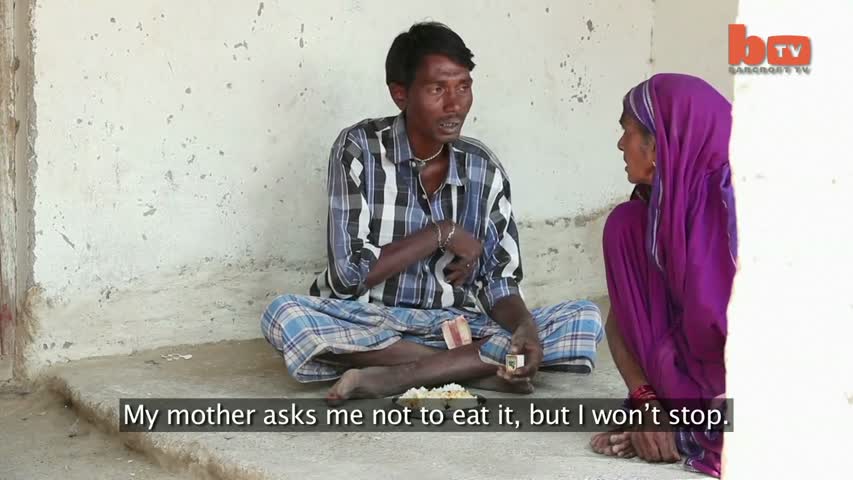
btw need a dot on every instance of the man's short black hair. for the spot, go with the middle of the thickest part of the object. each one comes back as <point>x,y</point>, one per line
<point>409,48</point>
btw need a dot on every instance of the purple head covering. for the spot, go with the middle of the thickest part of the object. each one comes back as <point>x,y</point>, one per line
<point>692,175</point>
<point>638,101</point>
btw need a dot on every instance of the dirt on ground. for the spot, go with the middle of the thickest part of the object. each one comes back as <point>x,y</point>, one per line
<point>41,437</point>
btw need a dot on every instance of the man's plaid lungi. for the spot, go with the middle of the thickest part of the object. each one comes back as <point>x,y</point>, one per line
<point>303,328</point>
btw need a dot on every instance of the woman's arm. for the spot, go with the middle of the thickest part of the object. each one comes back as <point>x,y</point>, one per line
<point>624,359</point>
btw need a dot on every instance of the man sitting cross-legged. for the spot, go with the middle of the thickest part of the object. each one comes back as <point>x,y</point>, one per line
<point>420,231</point>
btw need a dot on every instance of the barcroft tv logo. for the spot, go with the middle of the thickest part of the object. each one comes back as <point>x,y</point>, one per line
<point>779,54</point>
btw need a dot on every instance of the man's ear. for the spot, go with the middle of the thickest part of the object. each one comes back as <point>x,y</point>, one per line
<point>399,94</point>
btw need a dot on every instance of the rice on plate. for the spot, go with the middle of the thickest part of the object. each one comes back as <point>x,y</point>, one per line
<point>451,395</point>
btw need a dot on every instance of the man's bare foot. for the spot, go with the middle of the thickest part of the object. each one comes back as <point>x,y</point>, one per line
<point>370,382</point>
<point>613,444</point>
<point>377,382</point>
<point>496,384</point>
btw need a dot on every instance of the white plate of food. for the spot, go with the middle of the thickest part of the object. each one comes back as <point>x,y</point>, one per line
<point>447,398</point>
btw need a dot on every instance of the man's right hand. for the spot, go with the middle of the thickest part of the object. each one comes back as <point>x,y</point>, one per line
<point>467,250</point>
<point>463,244</point>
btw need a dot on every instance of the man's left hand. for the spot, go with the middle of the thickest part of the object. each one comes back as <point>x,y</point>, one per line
<point>459,271</point>
<point>525,341</point>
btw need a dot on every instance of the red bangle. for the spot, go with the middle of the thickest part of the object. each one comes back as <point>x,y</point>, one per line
<point>642,394</point>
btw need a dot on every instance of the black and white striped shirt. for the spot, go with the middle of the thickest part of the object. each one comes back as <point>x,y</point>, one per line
<point>376,197</point>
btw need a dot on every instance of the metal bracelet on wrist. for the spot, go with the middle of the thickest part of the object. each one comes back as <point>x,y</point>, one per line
<point>438,233</point>
<point>449,236</point>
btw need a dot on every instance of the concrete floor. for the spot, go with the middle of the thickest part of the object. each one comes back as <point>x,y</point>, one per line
<point>252,369</point>
<point>44,439</point>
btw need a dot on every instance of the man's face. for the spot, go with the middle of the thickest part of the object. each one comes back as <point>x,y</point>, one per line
<point>438,100</point>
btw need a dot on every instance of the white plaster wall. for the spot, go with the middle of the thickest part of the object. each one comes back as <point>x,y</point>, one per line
<point>790,366</point>
<point>691,36</point>
<point>182,149</point>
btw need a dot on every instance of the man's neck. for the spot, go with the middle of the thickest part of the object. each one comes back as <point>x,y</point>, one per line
<point>435,155</point>
<point>424,149</point>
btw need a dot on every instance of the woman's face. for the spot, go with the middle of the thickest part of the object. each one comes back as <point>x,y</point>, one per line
<point>638,148</point>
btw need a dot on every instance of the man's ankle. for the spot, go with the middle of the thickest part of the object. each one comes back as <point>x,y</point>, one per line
<point>404,374</point>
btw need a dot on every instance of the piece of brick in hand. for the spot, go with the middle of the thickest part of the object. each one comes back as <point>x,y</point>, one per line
<point>456,332</point>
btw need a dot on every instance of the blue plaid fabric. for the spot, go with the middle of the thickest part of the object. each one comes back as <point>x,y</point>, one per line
<point>303,328</point>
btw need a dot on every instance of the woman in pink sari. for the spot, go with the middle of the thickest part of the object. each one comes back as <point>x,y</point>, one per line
<point>670,255</point>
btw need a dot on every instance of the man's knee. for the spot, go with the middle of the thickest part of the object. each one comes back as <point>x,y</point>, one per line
<point>581,316</point>
<point>281,303</point>
<point>275,315</point>
<point>589,309</point>
<point>590,313</point>
<point>624,224</point>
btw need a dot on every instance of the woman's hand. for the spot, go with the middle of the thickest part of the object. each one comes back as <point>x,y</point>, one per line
<point>653,443</point>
